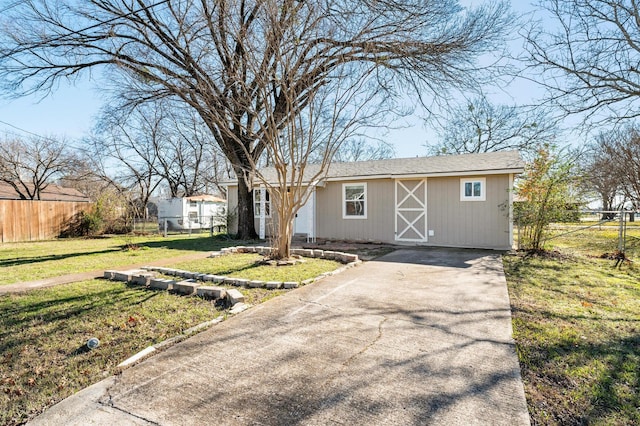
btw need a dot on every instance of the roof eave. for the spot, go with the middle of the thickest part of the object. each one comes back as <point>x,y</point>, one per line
<point>429,175</point>
<point>507,171</point>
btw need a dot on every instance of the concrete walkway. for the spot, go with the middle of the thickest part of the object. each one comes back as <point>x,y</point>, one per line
<point>417,337</point>
<point>25,286</point>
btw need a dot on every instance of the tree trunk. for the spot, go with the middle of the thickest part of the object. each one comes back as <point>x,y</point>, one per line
<point>281,240</point>
<point>282,243</point>
<point>246,224</point>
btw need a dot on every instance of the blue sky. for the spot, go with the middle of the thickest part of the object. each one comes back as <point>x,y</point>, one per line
<point>69,112</point>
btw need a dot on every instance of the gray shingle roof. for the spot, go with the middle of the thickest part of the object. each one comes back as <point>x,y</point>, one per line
<point>464,164</point>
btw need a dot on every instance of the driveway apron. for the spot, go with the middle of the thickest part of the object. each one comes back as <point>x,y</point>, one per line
<point>417,337</point>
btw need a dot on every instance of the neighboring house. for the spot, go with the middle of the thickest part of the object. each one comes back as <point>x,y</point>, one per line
<point>454,201</point>
<point>50,193</point>
<point>196,212</point>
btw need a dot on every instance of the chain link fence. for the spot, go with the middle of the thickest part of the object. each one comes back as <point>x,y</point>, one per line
<point>599,232</point>
<point>173,225</point>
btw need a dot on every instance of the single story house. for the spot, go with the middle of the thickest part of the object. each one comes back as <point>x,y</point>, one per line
<point>450,201</point>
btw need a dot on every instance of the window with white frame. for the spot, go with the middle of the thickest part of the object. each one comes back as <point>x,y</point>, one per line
<point>354,201</point>
<point>473,189</point>
<point>256,203</point>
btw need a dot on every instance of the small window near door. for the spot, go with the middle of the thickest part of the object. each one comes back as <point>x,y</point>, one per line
<point>354,201</point>
<point>473,189</point>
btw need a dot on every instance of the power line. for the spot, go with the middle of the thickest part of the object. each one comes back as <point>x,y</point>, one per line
<point>25,131</point>
<point>78,32</point>
<point>73,143</point>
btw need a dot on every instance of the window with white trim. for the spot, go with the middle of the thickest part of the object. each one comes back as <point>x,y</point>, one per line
<point>473,189</point>
<point>256,203</point>
<point>354,201</point>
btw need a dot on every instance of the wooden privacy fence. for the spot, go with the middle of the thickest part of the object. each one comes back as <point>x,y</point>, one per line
<point>25,220</point>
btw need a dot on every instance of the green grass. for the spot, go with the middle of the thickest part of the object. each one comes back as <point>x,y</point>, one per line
<point>594,241</point>
<point>576,323</point>
<point>37,260</point>
<point>248,266</point>
<point>43,334</point>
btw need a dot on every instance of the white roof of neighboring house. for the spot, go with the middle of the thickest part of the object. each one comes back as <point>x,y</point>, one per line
<point>500,162</point>
<point>206,197</point>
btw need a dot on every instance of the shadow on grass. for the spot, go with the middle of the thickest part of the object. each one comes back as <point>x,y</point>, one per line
<point>203,243</point>
<point>609,395</point>
<point>28,260</point>
<point>56,308</point>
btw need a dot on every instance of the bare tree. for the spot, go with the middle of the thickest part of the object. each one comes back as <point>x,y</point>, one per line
<point>587,56</point>
<point>88,176</point>
<point>618,158</point>
<point>159,144</point>
<point>602,172</point>
<point>481,126</point>
<point>31,165</point>
<point>219,57</point>
<point>336,113</point>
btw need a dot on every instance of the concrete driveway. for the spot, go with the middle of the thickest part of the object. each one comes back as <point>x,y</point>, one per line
<point>420,336</point>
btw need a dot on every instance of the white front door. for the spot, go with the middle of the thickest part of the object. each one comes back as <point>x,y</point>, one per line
<point>304,223</point>
<point>411,210</point>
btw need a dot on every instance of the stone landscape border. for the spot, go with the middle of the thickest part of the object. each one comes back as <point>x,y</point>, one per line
<point>189,286</point>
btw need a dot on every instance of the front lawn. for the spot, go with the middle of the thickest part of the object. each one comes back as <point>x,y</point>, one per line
<point>43,334</point>
<point>44,259</point>
<point>576,323</point>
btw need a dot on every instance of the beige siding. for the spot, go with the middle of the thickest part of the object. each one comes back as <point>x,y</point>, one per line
<point>379,224</point>
<point>482,224</point>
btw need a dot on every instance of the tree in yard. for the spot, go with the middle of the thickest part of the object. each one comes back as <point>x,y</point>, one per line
<point>587,56</point>
<point>31,165</point>
<point>158,144</point>
<point>87,177</point>
<point>545,191</point>
<point>481,126</point>
<point>220,58</point>
<point>617,156</point>
<point>335,114</point>
<point>603,173</point>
